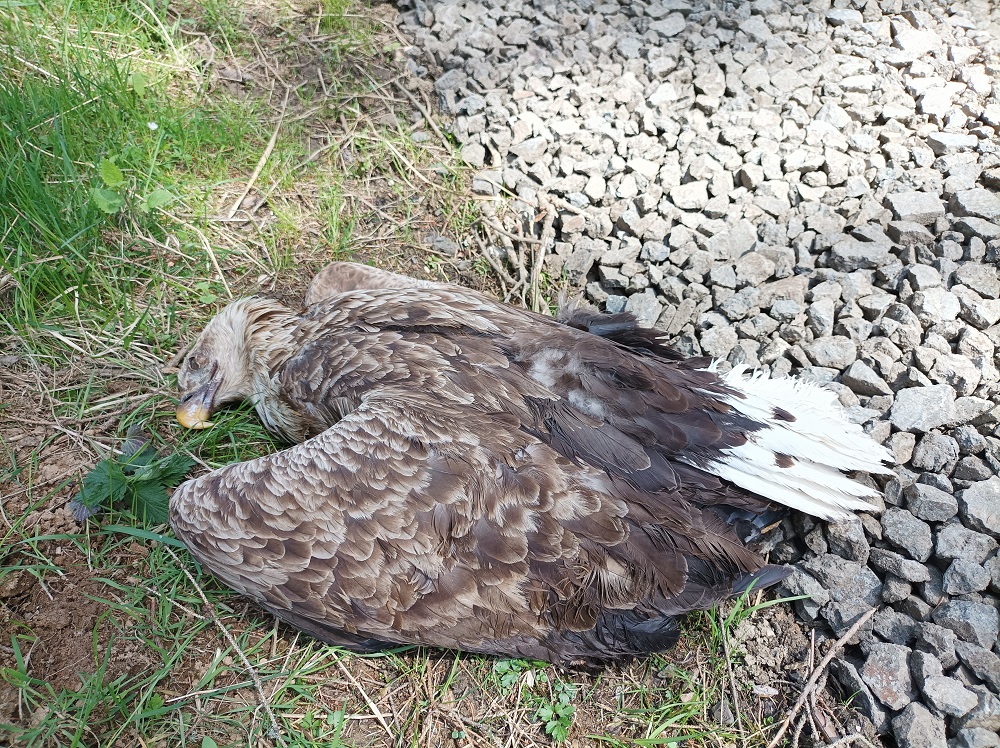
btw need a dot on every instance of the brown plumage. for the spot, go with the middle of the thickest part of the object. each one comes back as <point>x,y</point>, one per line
<point>467,474</point>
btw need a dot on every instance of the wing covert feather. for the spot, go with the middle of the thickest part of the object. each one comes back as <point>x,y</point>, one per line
<point>396,524</point>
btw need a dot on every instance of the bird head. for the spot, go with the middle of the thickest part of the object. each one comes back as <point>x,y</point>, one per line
<point>219,369</point>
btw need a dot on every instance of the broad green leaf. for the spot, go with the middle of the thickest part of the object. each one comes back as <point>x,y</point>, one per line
<point>111,174</point>
<point>149,502</point>
<point>139,460</point>
<point>104,485</point>
<point>157,199</point>
<point>107,201</point>
<point>172,468</point>
<point>207,742</point>
<point>138,83</point>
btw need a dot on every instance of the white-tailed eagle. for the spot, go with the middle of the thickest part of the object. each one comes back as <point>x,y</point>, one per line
<point>471,475</point>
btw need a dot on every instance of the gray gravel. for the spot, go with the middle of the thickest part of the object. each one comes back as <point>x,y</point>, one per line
<point>805,188</point>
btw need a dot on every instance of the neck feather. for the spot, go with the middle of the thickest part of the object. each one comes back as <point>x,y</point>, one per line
<point>269,335</point>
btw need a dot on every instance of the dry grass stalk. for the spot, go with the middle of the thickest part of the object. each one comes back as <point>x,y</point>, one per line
<point>820,669</point>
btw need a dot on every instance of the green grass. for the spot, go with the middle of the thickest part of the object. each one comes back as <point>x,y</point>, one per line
<point>123,149</point>
<point>68,257</point>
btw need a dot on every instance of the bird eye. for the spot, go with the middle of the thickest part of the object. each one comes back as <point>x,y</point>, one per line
<point>194,364</point>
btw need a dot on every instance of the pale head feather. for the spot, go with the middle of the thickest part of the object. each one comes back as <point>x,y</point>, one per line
<point>235,349</point>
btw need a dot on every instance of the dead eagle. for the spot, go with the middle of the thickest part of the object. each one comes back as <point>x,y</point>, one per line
<point>470,475</point>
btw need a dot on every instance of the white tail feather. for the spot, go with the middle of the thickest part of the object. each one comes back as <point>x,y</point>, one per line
<point>819,441</point>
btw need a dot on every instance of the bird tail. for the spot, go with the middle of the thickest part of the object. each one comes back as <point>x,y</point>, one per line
<point>797,456</point>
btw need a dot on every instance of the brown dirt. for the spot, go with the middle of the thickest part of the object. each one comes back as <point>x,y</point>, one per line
<point>22,434</point>
<point>61,616</point>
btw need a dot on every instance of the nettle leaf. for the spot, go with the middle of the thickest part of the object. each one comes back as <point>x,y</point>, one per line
<point>142,472</point>
<point>142,465</point>
<point>138,81</point>
<point>104,485</point>
<point>150,501</point>
<point>111,174</point>
<point>157,199</point>
<point>149,486</point>
<point>173,468</point>
<point>141,478</point>
<point>107,201</point>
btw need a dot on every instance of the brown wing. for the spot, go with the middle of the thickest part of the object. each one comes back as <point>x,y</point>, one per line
<point>374,527</point>
<point>341,277</point>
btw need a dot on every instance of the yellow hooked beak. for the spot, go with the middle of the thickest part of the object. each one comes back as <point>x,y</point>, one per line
<point>195,408</point>
<point>193,415</point>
